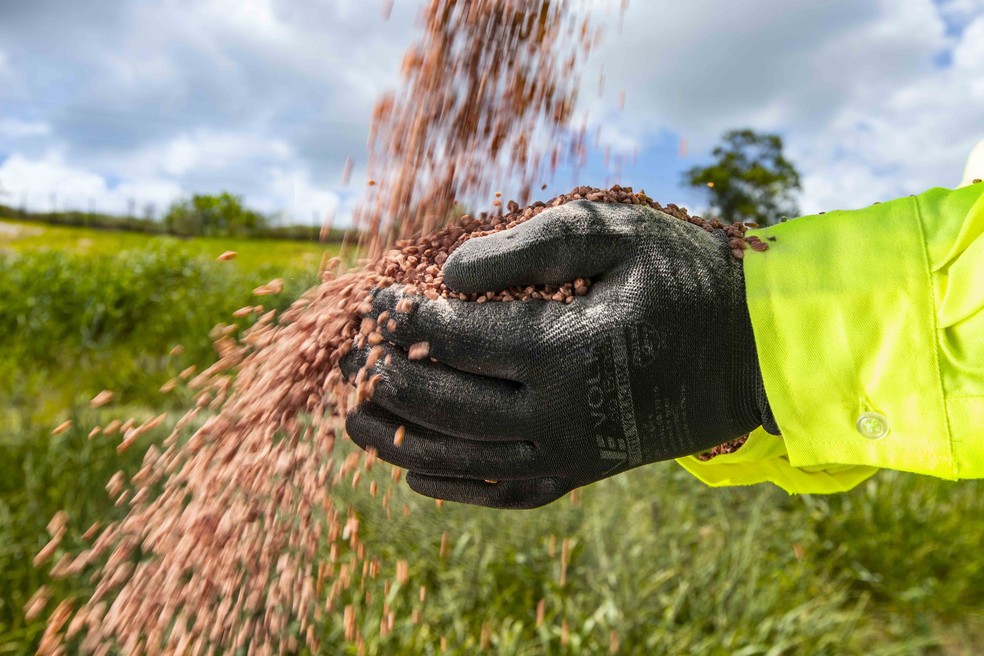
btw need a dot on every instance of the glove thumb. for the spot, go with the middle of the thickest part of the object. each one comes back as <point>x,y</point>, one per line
<point>576,240</point>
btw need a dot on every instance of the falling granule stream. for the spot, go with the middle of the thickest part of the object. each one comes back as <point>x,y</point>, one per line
<point>231,541</point>
<point>488,93</point>
<point>230,517</point>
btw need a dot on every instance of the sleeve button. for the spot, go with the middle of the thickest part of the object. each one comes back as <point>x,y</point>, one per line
<point>872,425</point>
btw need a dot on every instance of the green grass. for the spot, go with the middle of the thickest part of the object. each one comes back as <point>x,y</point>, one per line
<point>674,567</point>
<point>669,565</point>
<point>24,236</point>
<point>85,310</point>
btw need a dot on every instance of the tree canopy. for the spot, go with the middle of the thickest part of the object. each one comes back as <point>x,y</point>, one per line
<point>223,215</point>
<point>750,179</point>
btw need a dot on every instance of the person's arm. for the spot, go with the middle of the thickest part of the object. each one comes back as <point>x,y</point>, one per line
<point>870,333</point>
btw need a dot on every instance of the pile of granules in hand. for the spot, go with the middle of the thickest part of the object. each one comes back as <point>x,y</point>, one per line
<point>219,549</point>
<point>418,262</point>
<point>723,449</point>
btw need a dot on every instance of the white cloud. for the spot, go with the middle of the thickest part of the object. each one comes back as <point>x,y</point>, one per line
<point>154,175</point>
<point>38,180</point>
<point>969,54</point>
<point>51,183</point>
<point>619,141</point>
<point>852,85</point>
<point>12,86</point>
<point>208,152</point>
<point>18,129</point>
<point>202,95</point>
<point>302,200</point>
<point>257,18</point>
<point>916,136</point>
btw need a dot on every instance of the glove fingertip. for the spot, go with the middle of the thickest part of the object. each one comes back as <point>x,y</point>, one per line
<point>351,362</point>
<point>355,427</point>
<point>511,495</point>
<point>467,268</point>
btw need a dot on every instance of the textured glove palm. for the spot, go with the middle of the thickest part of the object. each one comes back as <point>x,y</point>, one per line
<point>657,361</point>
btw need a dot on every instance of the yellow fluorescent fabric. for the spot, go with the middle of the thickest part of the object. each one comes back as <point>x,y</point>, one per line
<point>879,310</point>
<point>763,459</point>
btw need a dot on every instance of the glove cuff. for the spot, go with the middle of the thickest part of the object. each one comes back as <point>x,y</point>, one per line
<point>762,401</point>
<point>767,419</point>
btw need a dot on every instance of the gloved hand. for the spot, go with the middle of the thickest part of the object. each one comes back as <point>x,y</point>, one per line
<point>529,400</point>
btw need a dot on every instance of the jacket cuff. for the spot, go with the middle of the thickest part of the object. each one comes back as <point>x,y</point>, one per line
<point>843,315</point>
<point>763,459</point>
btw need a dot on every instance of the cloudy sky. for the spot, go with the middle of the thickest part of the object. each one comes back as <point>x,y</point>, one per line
<point>108,104</point>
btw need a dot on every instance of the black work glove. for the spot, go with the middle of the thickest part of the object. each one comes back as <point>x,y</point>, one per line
<point>529,400</point>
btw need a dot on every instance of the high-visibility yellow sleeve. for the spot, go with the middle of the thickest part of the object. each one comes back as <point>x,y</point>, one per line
<point>869,326</point>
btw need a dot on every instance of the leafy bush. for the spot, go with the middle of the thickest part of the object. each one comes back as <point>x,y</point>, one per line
<point>73,324</point>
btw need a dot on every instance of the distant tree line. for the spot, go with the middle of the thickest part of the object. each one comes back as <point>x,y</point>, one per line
<point>201,215</point>
<point>749,179</point>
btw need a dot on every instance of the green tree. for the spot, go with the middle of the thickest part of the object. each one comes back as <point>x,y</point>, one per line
<point>750,179</point>
<point>223,215</point>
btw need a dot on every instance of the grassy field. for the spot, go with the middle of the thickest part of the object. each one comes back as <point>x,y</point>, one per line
<point>659,563</point>
<point>23,236</point>
<point>86,309</point>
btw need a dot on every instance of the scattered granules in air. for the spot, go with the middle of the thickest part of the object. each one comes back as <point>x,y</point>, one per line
<point>62,427</point>
<point>101,399</point>
<point>275,286</point>
<point>37,602</point>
